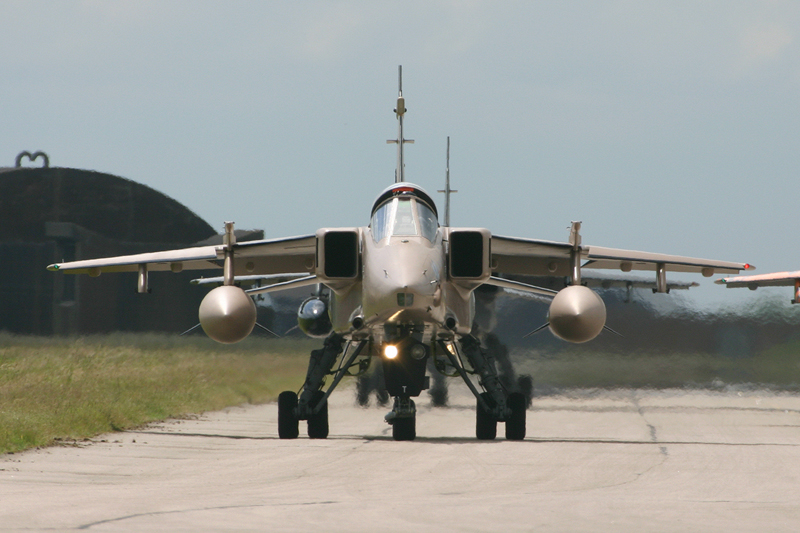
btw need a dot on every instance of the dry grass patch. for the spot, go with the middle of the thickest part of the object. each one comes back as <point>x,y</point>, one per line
<point>76,388</point>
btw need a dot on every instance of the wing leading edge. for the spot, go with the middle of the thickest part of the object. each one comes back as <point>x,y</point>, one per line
<point>776,279</point>
<point>627,260</point>
<point>511,255</point>
<point>273,256</point>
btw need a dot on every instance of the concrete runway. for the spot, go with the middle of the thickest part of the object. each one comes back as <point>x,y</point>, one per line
<point>617,461</point>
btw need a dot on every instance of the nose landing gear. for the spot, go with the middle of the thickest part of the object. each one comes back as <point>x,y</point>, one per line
<point>403,419</point>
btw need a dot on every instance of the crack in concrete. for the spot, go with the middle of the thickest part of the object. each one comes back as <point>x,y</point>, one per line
<point>199,509</point>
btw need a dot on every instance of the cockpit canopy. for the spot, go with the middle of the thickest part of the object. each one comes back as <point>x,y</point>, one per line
<point>404,209</point>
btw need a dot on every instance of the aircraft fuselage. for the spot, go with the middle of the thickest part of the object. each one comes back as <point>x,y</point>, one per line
<point>402,279</point>
<point>402,288</point>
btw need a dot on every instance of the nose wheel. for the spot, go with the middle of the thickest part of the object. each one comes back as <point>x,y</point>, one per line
<point>404,429</point>
<point>403,419</point>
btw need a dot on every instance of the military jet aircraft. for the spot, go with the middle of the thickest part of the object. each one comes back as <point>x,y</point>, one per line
<point>400,291</point>
<point>775,279</point>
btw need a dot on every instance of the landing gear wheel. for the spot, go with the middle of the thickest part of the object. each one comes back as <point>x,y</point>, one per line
<point>438,392</point>
<point>383,396</point>
<point>485,423</point>
<point>362,390</point>
<point>404,428</point>
<point>525,384</point>
<point>288,426</point>
<point>515,425</point>
<point>318,423</point>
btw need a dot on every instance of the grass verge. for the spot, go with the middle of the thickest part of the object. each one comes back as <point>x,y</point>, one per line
<point>777,368</point>
<point>53,389</point>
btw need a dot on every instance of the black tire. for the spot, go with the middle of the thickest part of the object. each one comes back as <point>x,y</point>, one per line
<point>404,428</point>
<point>438,394</point>
<point>363,388</point>
<point>525,384</point>
<point>318,423</point>
<point>383,396</point>
<point>515,425</point>
<point>379,383</point>
<point>288,426</point>
<point>485,423</point>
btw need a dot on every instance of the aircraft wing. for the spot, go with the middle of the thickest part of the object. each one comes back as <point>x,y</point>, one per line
<point>625,260</point>
<point>273,256</point>
<point>512,255</point>
<point>634,283</point>
<point>276,256</point>
<point>188,258</point>
<point>776,279</point>
<point>256,279</point>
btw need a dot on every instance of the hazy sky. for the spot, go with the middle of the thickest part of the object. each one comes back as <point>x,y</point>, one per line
<point>664,126</point>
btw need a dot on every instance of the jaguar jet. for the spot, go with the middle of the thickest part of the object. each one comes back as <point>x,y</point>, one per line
<point>775,279</point>
<point>399,292</point>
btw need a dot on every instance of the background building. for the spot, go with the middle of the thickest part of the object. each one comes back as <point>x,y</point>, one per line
<point>49,215</point>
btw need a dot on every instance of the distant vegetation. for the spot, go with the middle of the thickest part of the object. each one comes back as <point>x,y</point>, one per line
<point>52,388</point>
<point>775,368</point>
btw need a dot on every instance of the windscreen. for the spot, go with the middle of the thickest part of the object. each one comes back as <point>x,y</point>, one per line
<point>403,216</point>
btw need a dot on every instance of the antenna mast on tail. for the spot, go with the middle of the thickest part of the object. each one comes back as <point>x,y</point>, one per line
<point>447,190</point>
<point>400,110</point>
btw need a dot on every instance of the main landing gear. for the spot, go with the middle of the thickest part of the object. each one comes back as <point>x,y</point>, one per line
<point>495,404</point>
<point>404,378</point>
<point>312,403</point>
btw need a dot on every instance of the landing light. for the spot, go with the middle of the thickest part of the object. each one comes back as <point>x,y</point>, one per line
<point>390,351</point>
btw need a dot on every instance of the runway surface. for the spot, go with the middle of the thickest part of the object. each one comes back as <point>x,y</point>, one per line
<point>617,461</point>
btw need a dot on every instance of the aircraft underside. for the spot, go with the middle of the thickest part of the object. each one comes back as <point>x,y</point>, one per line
<point>405,376</point>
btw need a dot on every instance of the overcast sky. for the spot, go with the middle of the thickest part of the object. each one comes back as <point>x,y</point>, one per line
<point>664,126</point>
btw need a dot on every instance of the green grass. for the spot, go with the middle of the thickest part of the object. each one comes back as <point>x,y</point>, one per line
<point>777,367</point>
<point>62,389</point>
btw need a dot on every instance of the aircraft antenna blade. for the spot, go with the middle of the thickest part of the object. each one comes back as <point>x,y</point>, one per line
<point>189,330</point>
<point>265,328</point>
<point>400,111</point>
<point>447,190</point>
<point>537,330</point>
